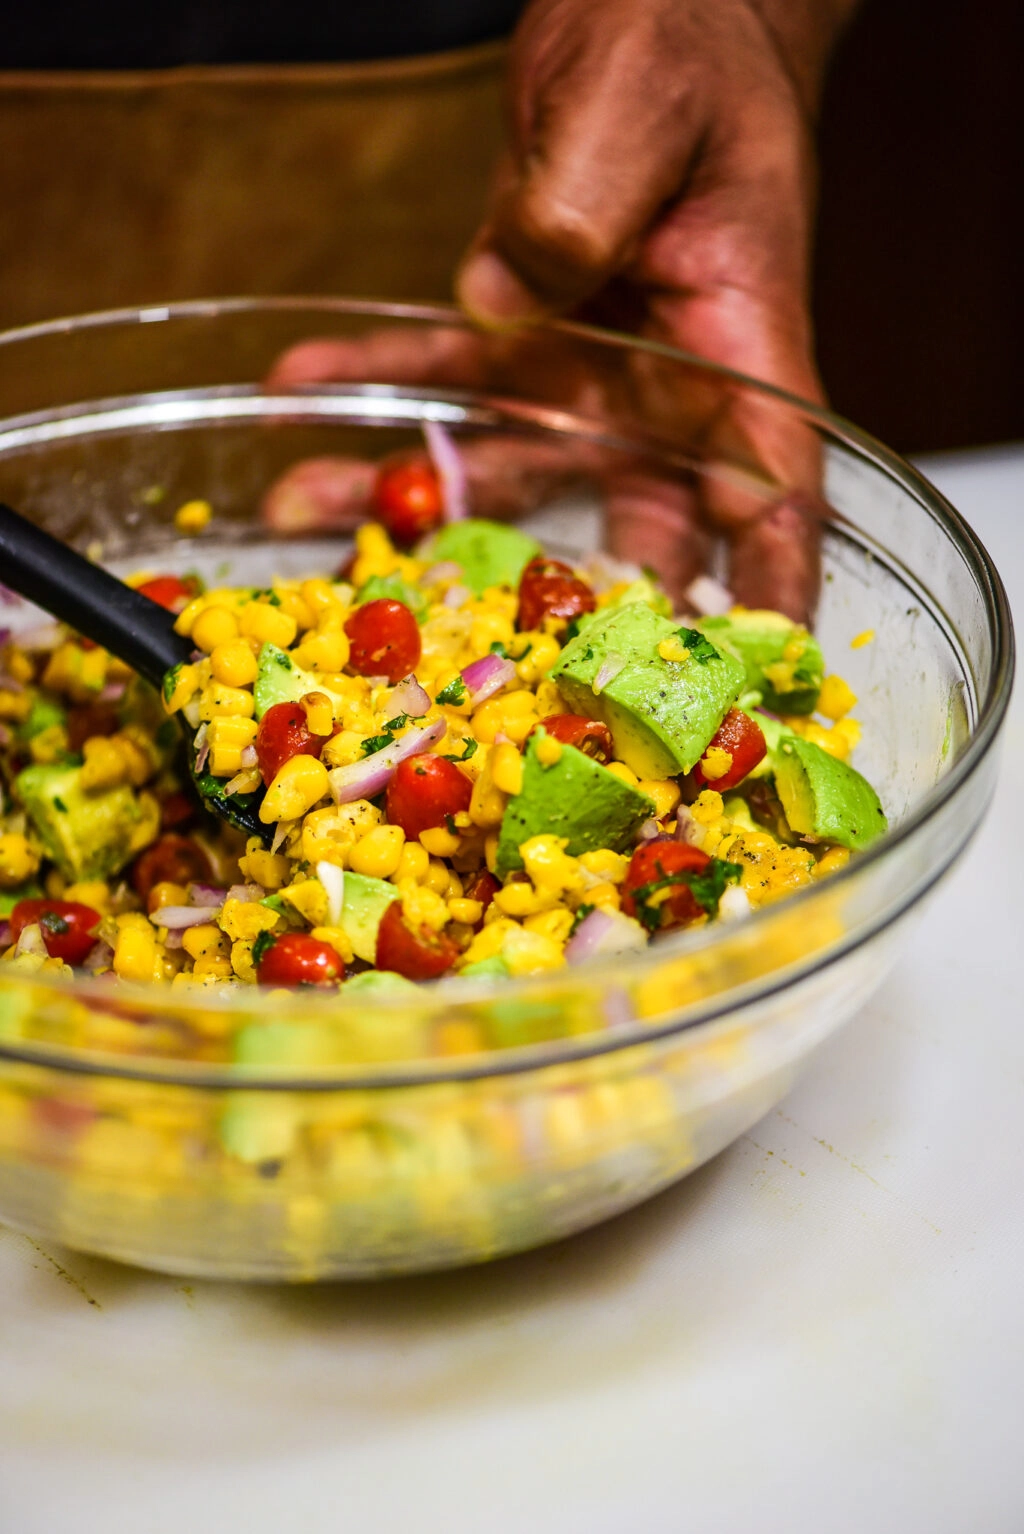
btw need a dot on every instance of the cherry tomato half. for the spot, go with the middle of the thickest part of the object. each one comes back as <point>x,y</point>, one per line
<point>407,498</point>
<point>173,859</point>
<point>655,861</point>
<point>295,958</point>
<point>745,742</point>
<point>483,888</point>
<point>424,791</point>
<point>549,589</point>
<point>176,810</point>
<point>69,929</point>
<point>171,591</point>
<point>283,733</point>
<point>421,955</point>
<point>385,640</point>
<point>588,735</point>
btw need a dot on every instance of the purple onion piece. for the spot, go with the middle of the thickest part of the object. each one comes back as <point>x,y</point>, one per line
<point>767,714</point>
<point>250,756</point>
<point>410,698</point>
<point>101,954</point>
<point>366,779</point>
<point>249,893</point>
<point>113,692</point>
<point>451,470</point>
<point>709,597</point>
<point>178,917</point>
<point>457,596</point>
<point>485,677</point>
<point>10,683</point>
<point>607,673</point>
<point>446,570</point>
<point>205,894</point>
<point>42,636</point>
<point>202,747</point>
<point>651,831</point>
<point>604,932</point>
<point>5,934</point>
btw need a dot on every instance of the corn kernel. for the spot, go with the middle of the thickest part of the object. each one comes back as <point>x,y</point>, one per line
<point>270,869</point>
<point>513,714</point>
<point>521,899</point>
<point>328,835</point>
<point>673,649</point>
<point>549,700</point>
<point>491,852</point>
<point>324,652</point>
<point>506,766</point>
<point>848,731</point>
<point>213,967</point>
<point>164,893</point>
<point>319,714</point>
<point>135,953</point>
<point>233,663</point>
<point>338,939</point>
<point>296,607</point>
<point>528,953</point>
<point>549,866</point>
<point>214,626</point>
<point>439,842</point>
<point>377,854</point>
<point>834,859</point>
<point>625,773</point>
<point>241,961</point>
<point>18,860</point>
<point>55,884</point>
<point>228,738</point>
<point>49,745</point>
<point>487,804</point>
<point>604,896</point>
<point>436,877</point>
<point>423,907</point>
<point>664,792</point>
<point>866,636</point>
<point>468,912</point>
<point>606,864</point>
<point>715,763</point>
<point>90,892</point>
<point>309,898</point>
<point>185,621</point>
<point>413,863</point>
<point>15,706</point>
<point>708,807</point>
<point>18,664</point>
<point>184,684</point>
<point>270,625</point>
<point>836,698</point>
<point>297,786</point>
<point>555,925</point>
<point>104,766</point>
<point>204,941</point>
<point>193,517</point>
<point>246,919</point>
<point>549,751</point>
<point>538,659</point>
<point>216,699</point>
<point>319,596</point>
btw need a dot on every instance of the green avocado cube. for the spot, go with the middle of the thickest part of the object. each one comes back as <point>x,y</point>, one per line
<point>574,797</point>
<point>88,835</point>
<point>489,553</point>
<point>782,660</point>
<point>826,798</point>
<point>378,984</point>
<point>662,713</point>
<point>280,680</point>
<point>363,904</point>
<point>643,589</point>
<point>43,715</point>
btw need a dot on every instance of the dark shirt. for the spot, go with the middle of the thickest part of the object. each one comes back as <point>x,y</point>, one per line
<point>103,34</point>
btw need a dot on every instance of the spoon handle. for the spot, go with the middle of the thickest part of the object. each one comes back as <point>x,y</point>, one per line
<point>97,604</point>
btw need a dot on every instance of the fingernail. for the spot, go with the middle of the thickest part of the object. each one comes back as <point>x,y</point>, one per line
<point>491,293</point>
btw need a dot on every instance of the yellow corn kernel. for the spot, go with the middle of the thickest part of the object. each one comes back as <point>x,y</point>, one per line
<point>49,745</point>
<point>213,967</point>
<point>549,700</point>
<point>468,912</point>
<point>487,804</point>
<point>309,898</point>
<point>834,859</point>
<point>513,714</point>
<point>664,792</point>
<point>715,763</point>
<point>18,860</point>
<point>185,621</point>
<point>605,864</point>
<point>490,940</point>
<point>506,766</point>
<point>214,626</point>
<point>148,823</point>
<point>193,517</point>
<point>228,738</point>
<point>233,663</point>
<point>548,865</point>
<point>377,854</point>
<point>104,765</point>
<point>184,684</point>
<point>439,842</point>
<point>708,808</point>
<point>549,751</point>
<point>55,884</point>
<point>528,953</point>
<point>298,785</point>
<point>375,554</point>
<point>270,869</point>
<point>625,773</point>
<point>413,863</point>
<point>318,711</point>
<point>164,893</point>
<point>135,953</point>
<point>268,624</point>
<point>487,629</point>
<point>848,731</point>
<point>324,652</point>
<point>17,664</point>
<point>338,939</point>
<point>241,961</point>
<point>328,835</point>
<point>555,925</point>
<point>538,659</point>
<point>521,899</point>
<point>90,892</point>
<point>836,698</point>
<point>866,636</point>
<point>319,596</point>
<point>296,607</point>
<point>423,907</point>
<point>604,896</point>
<point>246,919</point>
<point>673,648</point>
<point>15,706</point>
<point>204,941</point>
<point>216,699</point>
<point>491,852</point>
<point>436,877</point>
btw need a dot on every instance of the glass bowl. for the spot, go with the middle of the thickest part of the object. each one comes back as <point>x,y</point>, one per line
<point>344,1141</point>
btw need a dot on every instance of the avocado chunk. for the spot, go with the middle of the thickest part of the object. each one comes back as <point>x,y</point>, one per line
<point>378,984</point>
<point>489,553</point>
<point>392,588</point>
<point>774,732</point>
<point>494,968</point>
<point>280,680</point>
<point>30,890</point>
<point>643,589</point>
<point>783,661</point>
<point>43,715</point>
<point>662,713</point>
<point>574,797</point>
<point>87,835</point>
<point>826,798</point>
<point>363,904</point>
<point>284,1043</point>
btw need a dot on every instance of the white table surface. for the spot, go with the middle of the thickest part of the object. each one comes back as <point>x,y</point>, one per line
<point>823,1330</point>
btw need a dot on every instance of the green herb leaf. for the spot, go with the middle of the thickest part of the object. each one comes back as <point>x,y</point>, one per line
<point>698,645</point>
<point>582,912</point>
<point>707,888</point>
<point>261,942</point>
<point>454,692</point>
<point>59,804</point>
<point>55,924</point>
<point>374,743</point>
<point>170,682</point>
<point>498,648</point>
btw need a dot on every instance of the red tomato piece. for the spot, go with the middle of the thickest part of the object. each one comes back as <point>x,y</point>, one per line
<point>407,499</point>
<point>172,858</point>
<point>68,928</point>
<point>295,958</point>
<point>483,888</point>
<point>171,591</point>
<point>745,742</point>
<point>424,791</point>
<point>283,733</point>
<point>550,589</point>
<point>385,640</point>
<point>421,955</point>
<point>176,810</point>
<point>88,719</point>
<point>655,861</point>
<point>588,735</point>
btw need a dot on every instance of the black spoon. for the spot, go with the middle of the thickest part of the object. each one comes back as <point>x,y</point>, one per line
<point>123,621</point>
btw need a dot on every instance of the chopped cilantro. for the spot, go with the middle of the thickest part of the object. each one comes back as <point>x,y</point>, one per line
<point>275,903</point>
<point>374,743</point>
<point>470,750</point>
<point>281,659</point>
<point>59,804</point>
<point>582,912</point>
<point>170,682</point>
<point>55,924</point>
<point>699,647</point>
<point>707,888</point>
<point>498,648</point>
<point>449,821</point>
<point>261,942</point>
<point>264,593</point>
<point>454,692</point>
<point>572,628</point>
<point>399,722</point>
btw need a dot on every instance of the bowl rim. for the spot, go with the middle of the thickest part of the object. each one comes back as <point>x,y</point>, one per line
<point>425,1070</point>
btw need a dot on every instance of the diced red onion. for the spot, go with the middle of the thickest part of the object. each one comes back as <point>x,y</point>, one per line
<point>10,683</point>
<point>43,636</point>
<point>366,779</point>
<point>604,570</point>
<point>249,893</point>
<point>31,941</point>
<point>5,735</point>
<point>604,932</point>
<point>8,598</point>
<point>113,692</point>
<point>202,746</point>
<point>173,939</point>
<point>410,698</point>
<point>734,904</point>
<point>650,830</point>
<point>205,894</point>
<point>451,471</point>
<point>457,596</point>
<point>501,739</point>
<point>709,597</point>
<point>333,880</point>
<point>767,714</point>
<point>179,917</point>
<point>100,956</point>
<point>446,570</point>
<point>195,656</point>
<point>688,829</point>
<point>5,635</point>
<point>5,934</point>
<point>607,673</point>
<point>245,782</point>
<point>250,756</point>
<point>280,832</point>
<point>486,676</point>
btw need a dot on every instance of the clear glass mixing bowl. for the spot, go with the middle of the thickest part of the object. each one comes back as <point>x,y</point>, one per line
<point>474,1120</point>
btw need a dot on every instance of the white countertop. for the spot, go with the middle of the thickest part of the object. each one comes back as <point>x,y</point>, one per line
<point>821,1331</point>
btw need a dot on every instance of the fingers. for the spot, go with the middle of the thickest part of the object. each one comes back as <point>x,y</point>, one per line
<point>320,495</point>
<point>655,522</point>
<point>775,559</point>
<point>414,354</point>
